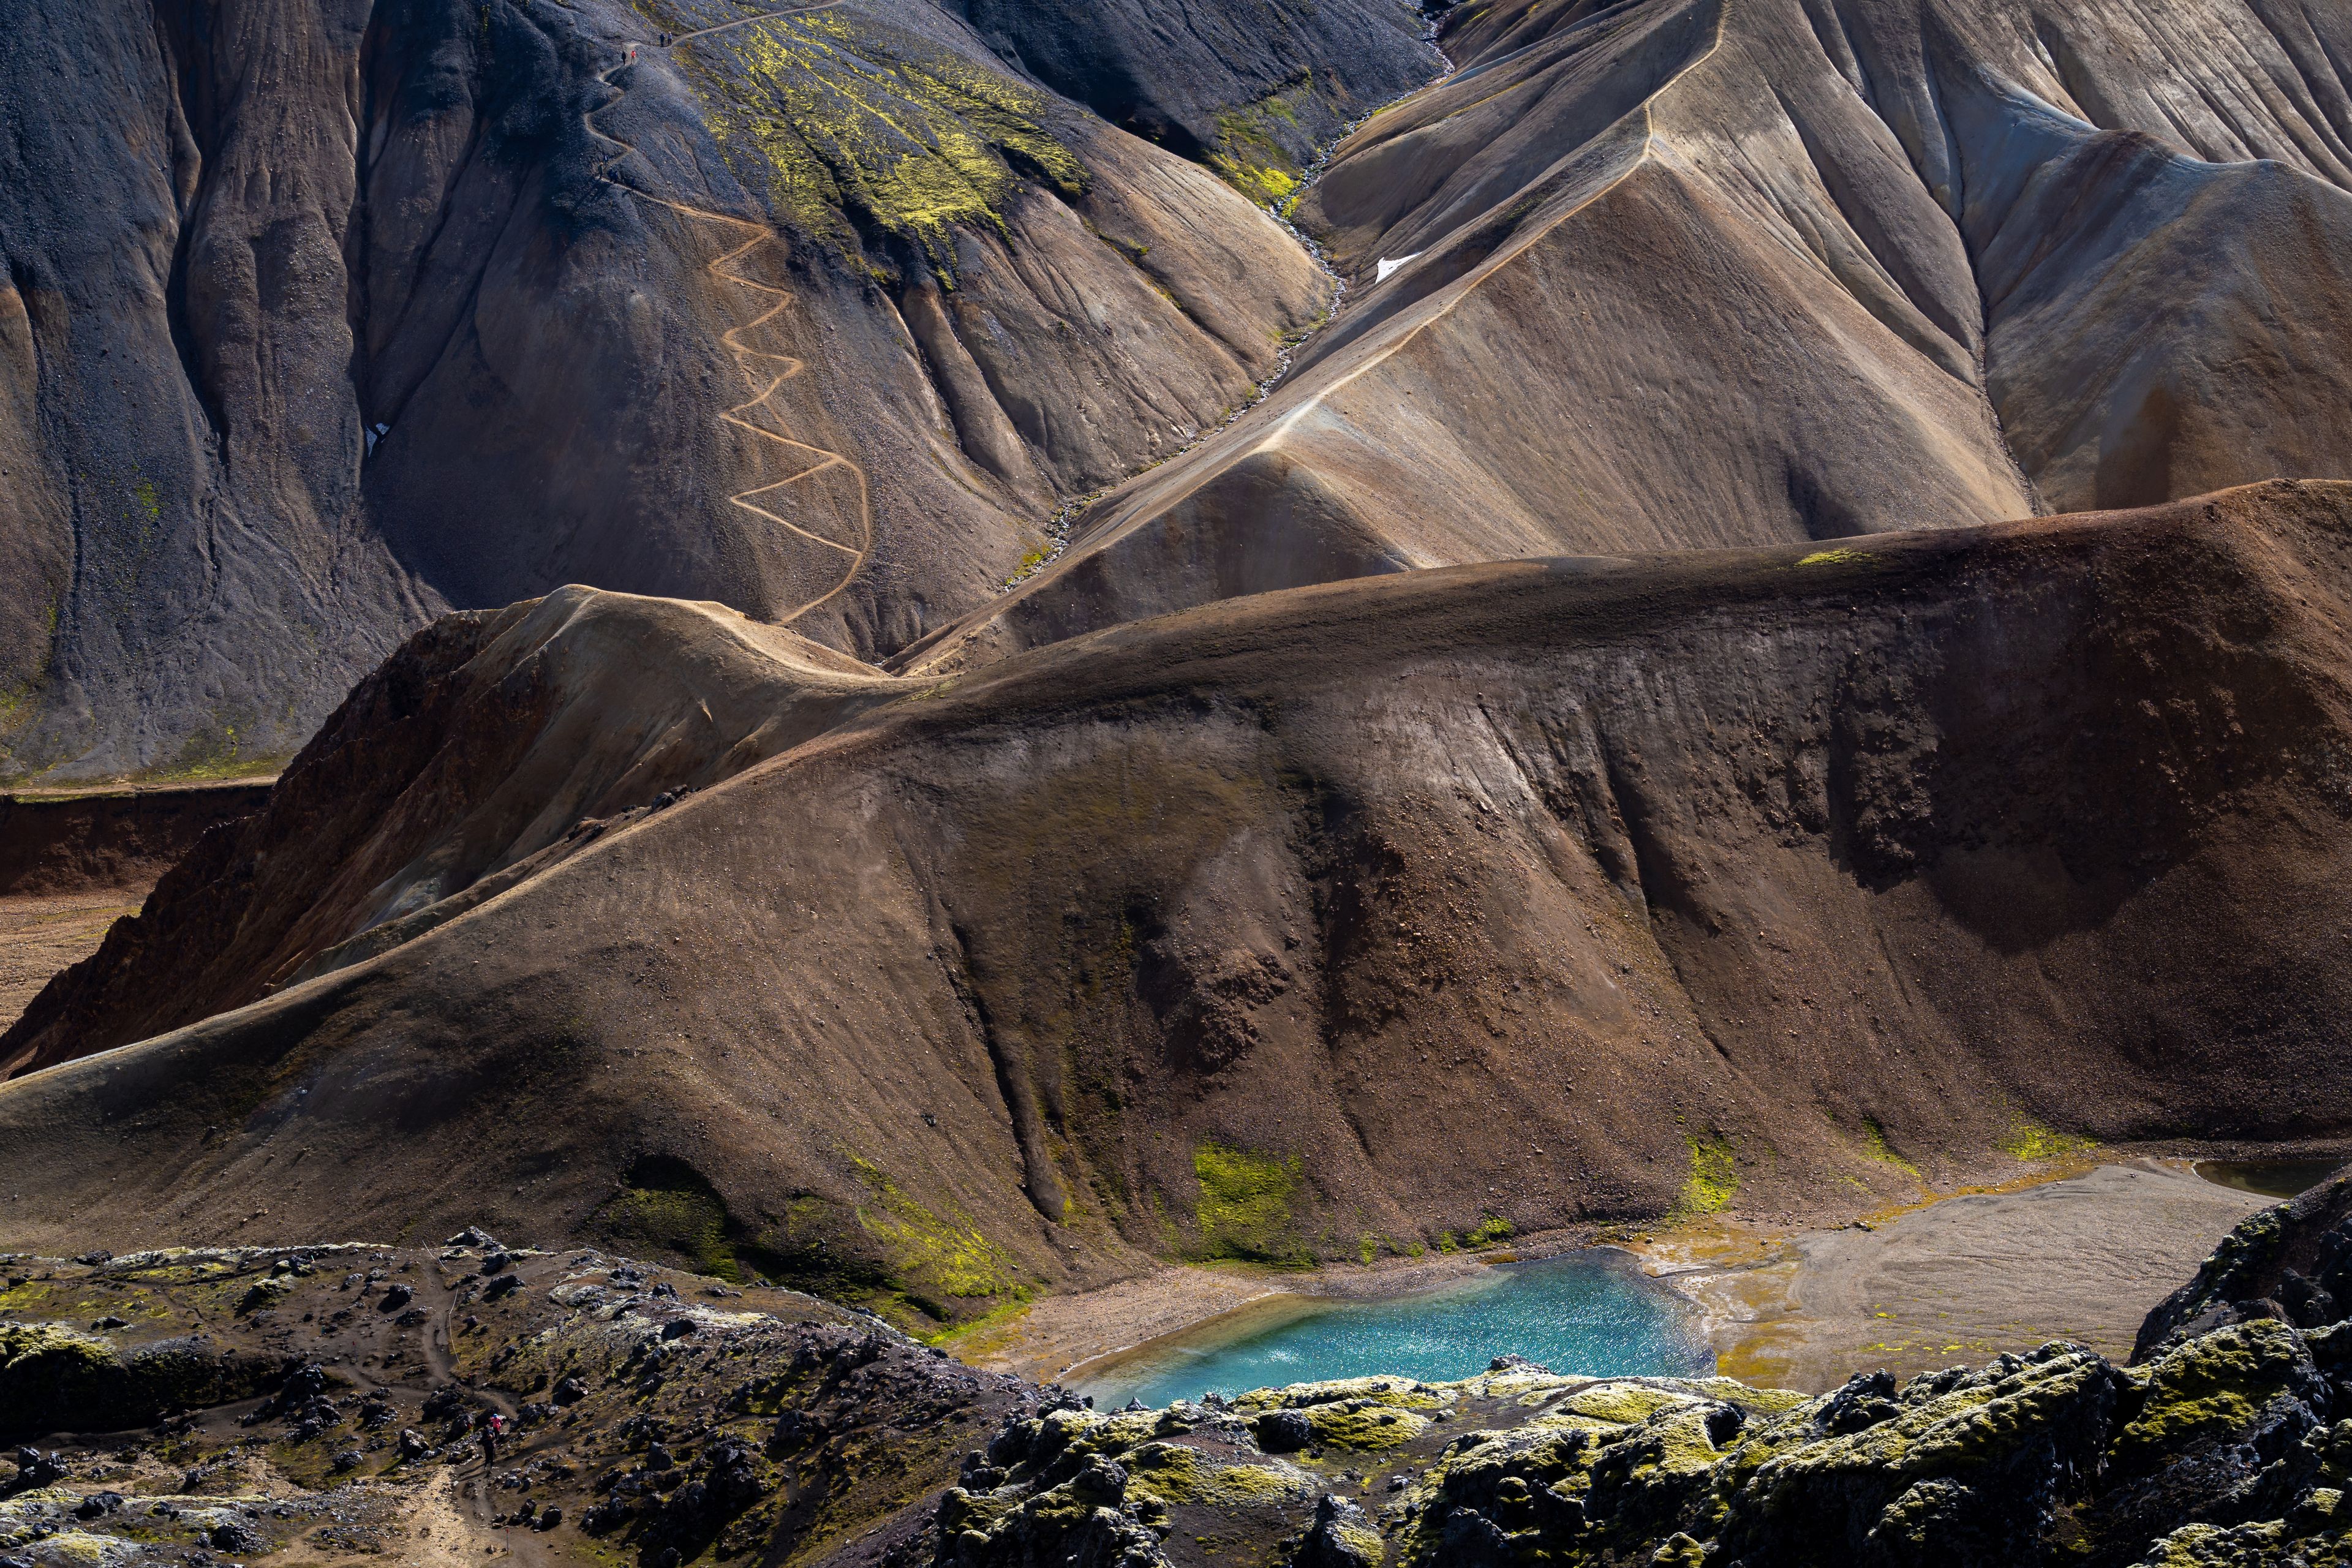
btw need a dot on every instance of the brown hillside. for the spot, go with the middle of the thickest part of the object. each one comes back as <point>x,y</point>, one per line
<point>1536,891</point>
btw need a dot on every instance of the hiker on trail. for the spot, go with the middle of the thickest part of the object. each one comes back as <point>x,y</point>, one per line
<point>491,1432</point>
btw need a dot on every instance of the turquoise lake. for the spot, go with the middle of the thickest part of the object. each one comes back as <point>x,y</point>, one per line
<point>1592,1313</point>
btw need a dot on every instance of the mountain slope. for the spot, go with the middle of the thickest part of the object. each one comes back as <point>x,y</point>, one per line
<point>321,317</point>
<point>1696,273</point>
<point>1527,894</point>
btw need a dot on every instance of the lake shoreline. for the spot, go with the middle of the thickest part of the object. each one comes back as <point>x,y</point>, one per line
<point>1779,1302</point>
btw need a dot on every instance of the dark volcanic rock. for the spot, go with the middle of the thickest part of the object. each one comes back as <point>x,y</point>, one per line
<point>2300,1250</point>
<point>1254,89</point>
<point>793,1423</point>
<point>55,1378</point>
<point>321,318</point>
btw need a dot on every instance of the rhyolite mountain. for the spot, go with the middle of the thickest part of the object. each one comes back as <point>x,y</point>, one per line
<point>824,315</point>
<point>1729,272</point>
<point>1789,639</point>
<point>321,317</point>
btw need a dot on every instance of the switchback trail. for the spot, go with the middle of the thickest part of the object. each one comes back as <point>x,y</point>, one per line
<point>745,355</point>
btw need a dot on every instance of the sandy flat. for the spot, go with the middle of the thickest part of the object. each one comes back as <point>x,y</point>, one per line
<point>2080,1259</point>
<point>43,933</point>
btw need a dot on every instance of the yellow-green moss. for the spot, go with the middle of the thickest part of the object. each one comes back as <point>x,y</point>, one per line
<point>2030,1140</point>
<point>835,114</point>
<point>1876,1147</point>
<point>951,1257</point>
<point>1244,1206</point>
<point>2217,1383</point>
<point>1175,1474</point>
<point>1249,152</point>
<point>25,1346</point>
<point>1831,557</point>
<point>1488,1231</point>
<point>991,1329</point>
<point>1366,1424</point>
<point>685,1218</point>
<point>1714,1179</point>
<point>1617,1403</point>
<point>1359,1539</point>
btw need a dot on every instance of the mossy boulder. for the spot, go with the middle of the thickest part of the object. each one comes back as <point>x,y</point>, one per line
<point>54,1377</point>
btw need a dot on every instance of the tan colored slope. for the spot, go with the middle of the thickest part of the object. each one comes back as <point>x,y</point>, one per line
<point>1694,273</point>
<point>1535,891</point>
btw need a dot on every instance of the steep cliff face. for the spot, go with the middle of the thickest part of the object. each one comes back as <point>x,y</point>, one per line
<point>1686,274</point>
<point>1521,895</point>
<point>320,318</point>
<point>180,506</point>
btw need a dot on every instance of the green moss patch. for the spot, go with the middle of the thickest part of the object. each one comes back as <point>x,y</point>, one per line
<point>1175,1474</point>
<point>667,1208</point>
<point>1874,1146</point>
<point>2211,1387</point>
<point>1250,152</point>
<point>2030,1140</point>
<point>1244,1206</point>
<point>848,123</point>
<point>53,1377</point>
<point>1714,1179</point>
<point>1366,1424</point>
<point>1488,1231</point>
<point>934,1257</point>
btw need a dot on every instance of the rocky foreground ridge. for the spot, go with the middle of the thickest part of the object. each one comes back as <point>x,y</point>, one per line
<point>320,1405</point>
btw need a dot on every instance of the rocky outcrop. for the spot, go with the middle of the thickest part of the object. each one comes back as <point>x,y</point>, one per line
<point>1713,880</point>
<point>422,1402</point>
<point>2293,1262</point>
<point>80,841</point>
<point>624,1408</point>
<point>2054,1455</point>
<point>2228,1444</point>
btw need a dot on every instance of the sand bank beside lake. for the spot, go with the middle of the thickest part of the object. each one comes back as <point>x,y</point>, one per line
<point>1963,1278</point>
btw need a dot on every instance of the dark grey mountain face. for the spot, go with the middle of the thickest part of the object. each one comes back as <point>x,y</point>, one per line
<point>320,318</point>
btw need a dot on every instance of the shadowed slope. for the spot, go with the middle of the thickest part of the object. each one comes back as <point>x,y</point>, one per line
<point>317,320</point>
<point>1523,893</point>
